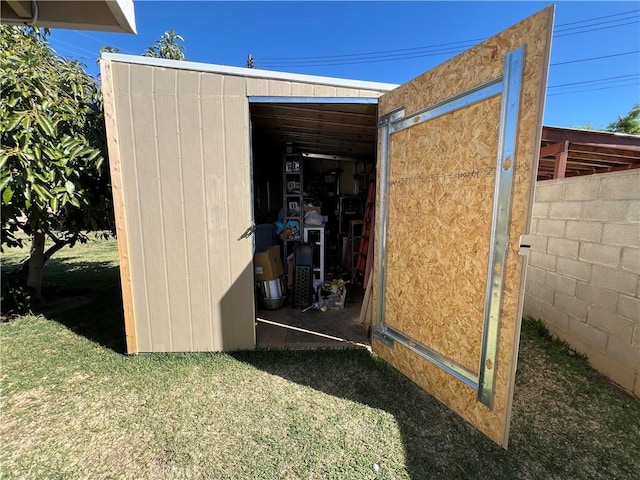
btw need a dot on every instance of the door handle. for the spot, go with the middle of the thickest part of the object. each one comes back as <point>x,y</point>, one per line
<point>248,232</point>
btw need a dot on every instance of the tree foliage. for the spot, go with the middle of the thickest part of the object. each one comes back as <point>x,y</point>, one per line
<point>53,179</point>
<point>169,45</point>
<point>630,123</point>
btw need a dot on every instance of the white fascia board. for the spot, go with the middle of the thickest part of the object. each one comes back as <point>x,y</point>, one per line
<point>249,72</point>
<point>124,13</point>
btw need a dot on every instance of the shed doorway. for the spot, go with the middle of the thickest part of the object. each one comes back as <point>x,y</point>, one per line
<point>313,186</point>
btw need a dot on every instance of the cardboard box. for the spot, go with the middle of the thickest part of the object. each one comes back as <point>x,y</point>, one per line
<point>318,210</point>
<point>268,265</point>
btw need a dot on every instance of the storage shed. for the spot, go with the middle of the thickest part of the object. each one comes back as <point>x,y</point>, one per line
<point>456,153</point>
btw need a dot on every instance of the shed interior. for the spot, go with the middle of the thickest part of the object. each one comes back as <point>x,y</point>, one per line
<point>335,144</point>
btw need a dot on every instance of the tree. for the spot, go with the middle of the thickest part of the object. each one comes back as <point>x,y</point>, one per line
<point>53,179</point>
<point>167,46</point>
<point>107,49</point>
<point>629,123</point>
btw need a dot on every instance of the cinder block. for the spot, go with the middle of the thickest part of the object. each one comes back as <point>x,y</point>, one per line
<point>584,188</point>
<point>600,254</point>
<point>583,230</point>
<point>633,211</point>
<point>548,192</point>
<point>629,307</point>
<point>543,260</point>
<point>624,282</point>
<point>551,228</point>
<point>636,335</point>
<point>560,283</point>
<point>610,210</point>
<point>565,209</point>
<point>531,306</point>
<point>623,350</point>
<point>621,234</point>
<point>602,297</point>
<point>563,247</point>
<point>596,339</point>
<point>571,305</point>
<point>573,268</point>
<point>609,322</point>
<point>575,343</point>
<point>630,260</point>
<point>620,187</point>
<point>552,316</point>
<point>541,293</point>
<point>540,210</point>
<point>636,388</point>
<point>535,274</point>
<point>613,368</point>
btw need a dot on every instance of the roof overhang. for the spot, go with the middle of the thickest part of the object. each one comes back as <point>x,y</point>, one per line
<point>570,152</point>
<point>103,15</point>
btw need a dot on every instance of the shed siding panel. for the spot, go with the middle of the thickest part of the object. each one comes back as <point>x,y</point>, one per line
<point>257,87</point>
<point>151,242</point>
<point>325,91</point>
<point>279,88</point>
<point>238,301</point>
<point>301,89</point>
<point>130,181</point>
<point>217,220</point>
<point>172,204</point>
<point>370,93</point>
<point>235,86</point>
<point>198,281</point>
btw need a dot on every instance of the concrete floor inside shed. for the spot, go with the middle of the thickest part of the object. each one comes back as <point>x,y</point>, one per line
<point>321,329</point>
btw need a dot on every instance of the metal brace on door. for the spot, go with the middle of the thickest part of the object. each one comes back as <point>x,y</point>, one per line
<point>508,85</point>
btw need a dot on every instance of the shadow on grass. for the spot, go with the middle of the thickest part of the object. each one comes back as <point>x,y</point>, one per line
<point>437,443</point>
<point>101,319</point>
<point>555,405</point>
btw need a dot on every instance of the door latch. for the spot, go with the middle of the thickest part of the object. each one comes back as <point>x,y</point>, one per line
<point>248,232</point>
<point>524,246</point>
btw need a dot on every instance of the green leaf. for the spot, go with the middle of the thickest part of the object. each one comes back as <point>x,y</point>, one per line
<point>46,125</point>
<point>7,193</point>
<point>70,187</point>
<point>42,192</point>
<point>14,122</point>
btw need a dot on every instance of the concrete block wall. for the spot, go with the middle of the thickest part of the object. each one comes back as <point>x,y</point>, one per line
<point>583,278</point>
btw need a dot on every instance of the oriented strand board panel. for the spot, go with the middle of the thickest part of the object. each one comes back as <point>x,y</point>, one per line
<point>440,201</point>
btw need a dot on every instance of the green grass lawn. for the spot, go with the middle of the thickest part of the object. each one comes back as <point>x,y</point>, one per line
<point>73,406</point>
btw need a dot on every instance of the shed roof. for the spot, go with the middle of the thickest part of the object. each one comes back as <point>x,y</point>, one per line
<point>249,72</point>
<point>350,130</point>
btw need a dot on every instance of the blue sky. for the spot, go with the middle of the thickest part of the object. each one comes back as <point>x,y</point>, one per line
<point>413,36</point>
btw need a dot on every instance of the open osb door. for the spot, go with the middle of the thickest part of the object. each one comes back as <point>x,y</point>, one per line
<point>457,165</point>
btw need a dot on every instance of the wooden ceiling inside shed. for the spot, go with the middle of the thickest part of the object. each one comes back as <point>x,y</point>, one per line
<point>349,130</point>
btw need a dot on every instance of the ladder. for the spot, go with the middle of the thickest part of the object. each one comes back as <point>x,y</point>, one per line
<point>363,260</point>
